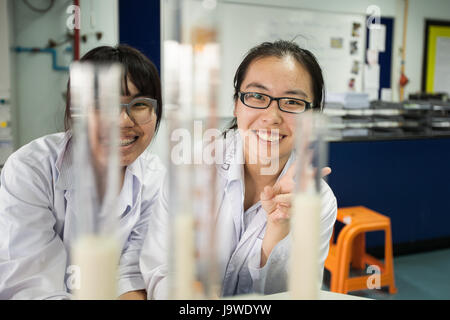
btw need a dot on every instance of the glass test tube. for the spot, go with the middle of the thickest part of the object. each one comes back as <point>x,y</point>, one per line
<point>311,154</point>
<point>191,69</point>
<point>95,105</point>
<point>177,83</point>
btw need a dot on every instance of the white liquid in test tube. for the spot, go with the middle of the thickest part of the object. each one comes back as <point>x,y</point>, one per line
<point>184,257</point>
<point>98,259</point>
<point>304,269</point>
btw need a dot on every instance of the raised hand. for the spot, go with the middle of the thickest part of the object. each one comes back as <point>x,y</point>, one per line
<point>276,200</point>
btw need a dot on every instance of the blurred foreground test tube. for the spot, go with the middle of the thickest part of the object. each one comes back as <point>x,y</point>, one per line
<point>312,153</point>
<point>95,106</point>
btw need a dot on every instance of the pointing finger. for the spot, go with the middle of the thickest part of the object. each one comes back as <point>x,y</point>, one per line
<point>326,171</point>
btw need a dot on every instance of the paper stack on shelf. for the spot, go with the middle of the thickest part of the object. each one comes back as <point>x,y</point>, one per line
<point>382,119</point>
<point>348,133</point>
<point>360,132</point>
<point>416,105</point>
<point>349,115</point>
<point>350,100</point>
<point>334,109</point>
<point>416,117</point>
<point>357,122</point>
<point>333,105</point>
<point>440,118</point>
<point>378,104</point>
<point>441,106</point>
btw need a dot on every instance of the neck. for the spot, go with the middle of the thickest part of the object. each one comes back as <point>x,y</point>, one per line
<point>255,181</point>
<point>254,177</point>
<point>122,177</point>
<point>255,171</point>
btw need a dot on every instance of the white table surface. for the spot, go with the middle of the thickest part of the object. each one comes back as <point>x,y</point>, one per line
<point>323,295</point>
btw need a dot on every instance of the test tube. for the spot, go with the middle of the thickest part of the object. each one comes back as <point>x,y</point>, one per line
<point>190,81</point>
<point>311,154</point>
<point>95,105</point>
<point>177,84</point>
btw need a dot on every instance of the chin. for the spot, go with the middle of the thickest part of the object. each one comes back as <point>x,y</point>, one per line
<point>126,161</point>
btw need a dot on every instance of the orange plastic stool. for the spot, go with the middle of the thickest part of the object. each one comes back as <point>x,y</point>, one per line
<point>350,248</point>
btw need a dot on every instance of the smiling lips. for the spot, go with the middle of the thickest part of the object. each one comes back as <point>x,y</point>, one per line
<point>127,141</point>
<point>269,135</point>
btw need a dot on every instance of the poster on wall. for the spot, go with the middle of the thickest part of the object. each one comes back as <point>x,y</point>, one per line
<point>436,63</point>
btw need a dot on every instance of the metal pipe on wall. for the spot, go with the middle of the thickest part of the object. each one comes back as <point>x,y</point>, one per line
<point>76,40</point>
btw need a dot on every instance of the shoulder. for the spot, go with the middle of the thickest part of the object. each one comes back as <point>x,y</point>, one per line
<point>152,170</point>
<point>30,170</point>
<point>151,164</point>
<point>153,179</point>
<point>40,150</point>
<point>41,153</point>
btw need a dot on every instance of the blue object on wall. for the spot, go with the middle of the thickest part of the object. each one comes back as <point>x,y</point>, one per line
<point>139,27</point>
<point>406,180</point>
<point>51,51</point>
<point>384,58</point>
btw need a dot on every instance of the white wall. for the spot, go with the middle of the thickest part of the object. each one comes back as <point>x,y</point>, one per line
<point>99,15</point>
<point>418,11</point>
<point>39,89</point>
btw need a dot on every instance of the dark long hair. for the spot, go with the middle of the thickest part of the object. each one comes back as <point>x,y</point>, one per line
<point>137,68</point>
<point>280,49</point>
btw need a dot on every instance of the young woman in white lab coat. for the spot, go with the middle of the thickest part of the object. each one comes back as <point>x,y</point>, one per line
<point>37,194</point>
<point>253,215</point>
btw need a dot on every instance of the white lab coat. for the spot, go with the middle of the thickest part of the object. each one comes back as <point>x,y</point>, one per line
<point>239,240</point>
<point>37,219</point>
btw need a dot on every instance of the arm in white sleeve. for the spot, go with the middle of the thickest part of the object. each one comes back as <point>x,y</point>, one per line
<point>130,277</point>
<point>32,256</point>
<point>327,221</point>
<point>154,255</point>
<point>272,278</point>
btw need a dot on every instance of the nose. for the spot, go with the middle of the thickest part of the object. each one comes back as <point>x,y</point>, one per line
<point>272,115</point>
<point>124,120</point>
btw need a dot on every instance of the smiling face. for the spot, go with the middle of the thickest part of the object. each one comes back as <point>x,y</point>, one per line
<point>266,130</point>
<point>134,138</point>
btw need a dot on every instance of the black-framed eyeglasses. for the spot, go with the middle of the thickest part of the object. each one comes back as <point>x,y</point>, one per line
<point>140,110</point>
<point>258,100</point>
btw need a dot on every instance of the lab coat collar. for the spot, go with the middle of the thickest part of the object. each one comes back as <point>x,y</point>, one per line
<point>232,167</point>
<point>133,173</point>
<point>136,169</point>
<point>63,165</point>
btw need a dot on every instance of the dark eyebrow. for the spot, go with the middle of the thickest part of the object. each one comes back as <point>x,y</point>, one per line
<point>137,95</point>
<point>256,85</point>
<point>297,92</point>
